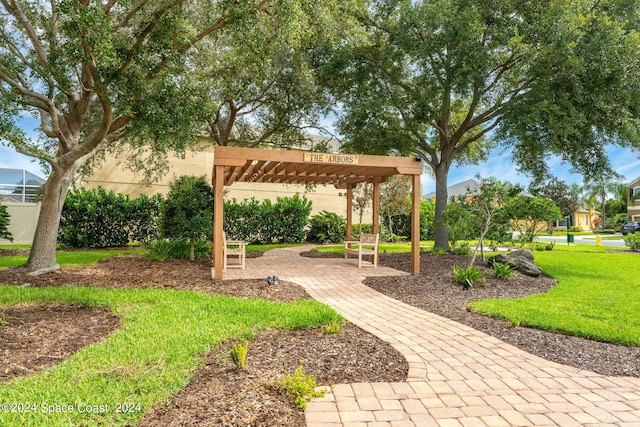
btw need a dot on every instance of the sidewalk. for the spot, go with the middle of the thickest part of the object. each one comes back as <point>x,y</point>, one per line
<point>457,376</point>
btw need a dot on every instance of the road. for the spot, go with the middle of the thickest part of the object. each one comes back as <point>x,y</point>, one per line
<point>587,240</point>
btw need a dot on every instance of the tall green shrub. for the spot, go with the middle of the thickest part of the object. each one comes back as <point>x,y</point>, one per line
<point>266,222</point>
<point>326,227</point>
<point>187,212</point>
<point>98,219</point>
<point>4,224</point>
<point>144,217</point>
<point>94,219</point>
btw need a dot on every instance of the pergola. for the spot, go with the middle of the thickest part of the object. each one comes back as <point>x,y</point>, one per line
<point>344,171</point>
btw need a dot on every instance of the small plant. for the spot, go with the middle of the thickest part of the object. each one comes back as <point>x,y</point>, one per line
<point>462,275</point>
<point>462,249</point>
<point>543,246</point>
<point>300,386</point>
<point>239,354</point>
<point>502,271</point>
<point>331,328</point>
<point>158,250</point>
<point>439,251</point>
<point>633,242</point>
<point>4,320</point>
<point>515,323</point>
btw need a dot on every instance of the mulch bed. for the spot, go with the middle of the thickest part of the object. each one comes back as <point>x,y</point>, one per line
<point>220,395</point>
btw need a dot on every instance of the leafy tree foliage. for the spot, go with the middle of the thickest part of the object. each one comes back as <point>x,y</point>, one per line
<point>187,212</point>
<point>529,214</point>
<point>94,71</point>
<point>5,219</point>
<point>444,79</point>
<point>559,192</point>
<point>481,214</point>
<point>395,200</point>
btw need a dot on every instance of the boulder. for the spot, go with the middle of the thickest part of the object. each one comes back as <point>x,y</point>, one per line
<point>521,261</point>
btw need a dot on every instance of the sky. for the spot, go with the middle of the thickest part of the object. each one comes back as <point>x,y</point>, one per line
<point>499,165</point>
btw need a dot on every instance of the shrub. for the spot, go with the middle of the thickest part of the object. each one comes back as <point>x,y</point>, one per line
<point>94,219</point>
<point>462,249</point>
<point>266,222</point>
<point>326,227</point>
<point>99,219</point>
<point>331,328</point>
<point>542,246</point>
<point>239,354</point>
<point>575,228</point>
<point>4,224</point>
<point>502,271</point>
<point>633,241</point>
<point>188,211</point>
<point>463,275</point>
<point>300,387</point>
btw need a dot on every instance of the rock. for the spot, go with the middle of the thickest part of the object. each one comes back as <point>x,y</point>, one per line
<point>521,261</point>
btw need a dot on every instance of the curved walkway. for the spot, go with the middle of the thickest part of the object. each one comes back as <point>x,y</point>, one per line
<point>458,376</point>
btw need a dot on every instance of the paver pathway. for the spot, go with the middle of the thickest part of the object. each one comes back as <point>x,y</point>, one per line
<point>458,376</point>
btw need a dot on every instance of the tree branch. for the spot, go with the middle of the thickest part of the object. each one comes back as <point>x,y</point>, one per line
<point>13,8</point>
<point>130,14</point>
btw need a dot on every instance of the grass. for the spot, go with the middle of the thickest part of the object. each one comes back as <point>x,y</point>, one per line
<point>260,248</point>
<point>164,333</point>
<point>70,258</point>
<point>598,297</point>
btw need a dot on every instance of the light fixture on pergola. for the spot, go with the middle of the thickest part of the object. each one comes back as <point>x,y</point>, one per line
<point>344,171</point>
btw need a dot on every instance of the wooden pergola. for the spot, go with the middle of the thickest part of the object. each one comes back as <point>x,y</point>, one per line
<point>344,171</point>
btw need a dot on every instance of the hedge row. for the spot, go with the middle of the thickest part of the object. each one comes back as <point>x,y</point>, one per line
<point>99,219</point>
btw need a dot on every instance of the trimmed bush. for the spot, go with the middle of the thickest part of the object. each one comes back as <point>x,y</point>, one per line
<point>633,241</point>
<point>266,222</point>
<point>101,219</point>
<point>327,227</point>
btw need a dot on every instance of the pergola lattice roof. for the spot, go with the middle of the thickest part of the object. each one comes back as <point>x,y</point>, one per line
<point>301,167</point>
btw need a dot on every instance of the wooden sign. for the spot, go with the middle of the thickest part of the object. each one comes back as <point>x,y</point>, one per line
<point>341,159</point>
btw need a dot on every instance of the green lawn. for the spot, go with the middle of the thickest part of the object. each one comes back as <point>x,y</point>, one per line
<point>71,258</point>
<point>382,247</point>
<point>598,296</point>
<point>164,333</point>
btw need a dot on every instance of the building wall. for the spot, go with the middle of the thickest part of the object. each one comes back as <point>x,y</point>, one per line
<point>114,175</point>
<point>633,206</point>
<point>22,225</point>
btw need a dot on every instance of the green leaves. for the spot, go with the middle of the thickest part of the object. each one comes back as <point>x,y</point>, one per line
<point>4,224</point>
<point>187,212</point>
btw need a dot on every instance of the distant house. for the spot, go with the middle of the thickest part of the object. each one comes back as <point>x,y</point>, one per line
<point>19,190</point>
<point>455,191</point>
<point>583,218</point>
<point>633,200</point>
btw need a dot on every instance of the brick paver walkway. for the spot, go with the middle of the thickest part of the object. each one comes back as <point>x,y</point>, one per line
<point>457,376</point>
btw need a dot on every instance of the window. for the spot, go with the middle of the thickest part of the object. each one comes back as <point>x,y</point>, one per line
<point>19,185</point>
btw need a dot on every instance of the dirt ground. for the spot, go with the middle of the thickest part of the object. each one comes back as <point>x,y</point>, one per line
<point>39,336</point>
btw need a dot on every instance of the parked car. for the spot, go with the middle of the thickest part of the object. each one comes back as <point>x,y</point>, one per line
<point>630,227</point>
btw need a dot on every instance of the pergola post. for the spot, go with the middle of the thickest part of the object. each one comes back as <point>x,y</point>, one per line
<point>218,219</point>
<point>376,208</point>
<point>415,225</point>
<point>349,210</point>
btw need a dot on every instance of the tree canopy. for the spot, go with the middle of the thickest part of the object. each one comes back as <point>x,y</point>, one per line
<point>99,73</point>
<point>445,79</point>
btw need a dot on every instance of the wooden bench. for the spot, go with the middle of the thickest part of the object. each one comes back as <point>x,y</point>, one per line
<point>233,248</point>
<point>367,245</point>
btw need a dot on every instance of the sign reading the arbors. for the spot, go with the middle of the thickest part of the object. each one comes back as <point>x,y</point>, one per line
<point>342,159</point>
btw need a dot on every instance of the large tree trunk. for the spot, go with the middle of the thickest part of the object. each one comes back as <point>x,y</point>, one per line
<point>441,230</point>
<point>42,258</point>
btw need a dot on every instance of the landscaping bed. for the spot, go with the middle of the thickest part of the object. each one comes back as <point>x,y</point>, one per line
<point>218,394</point>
